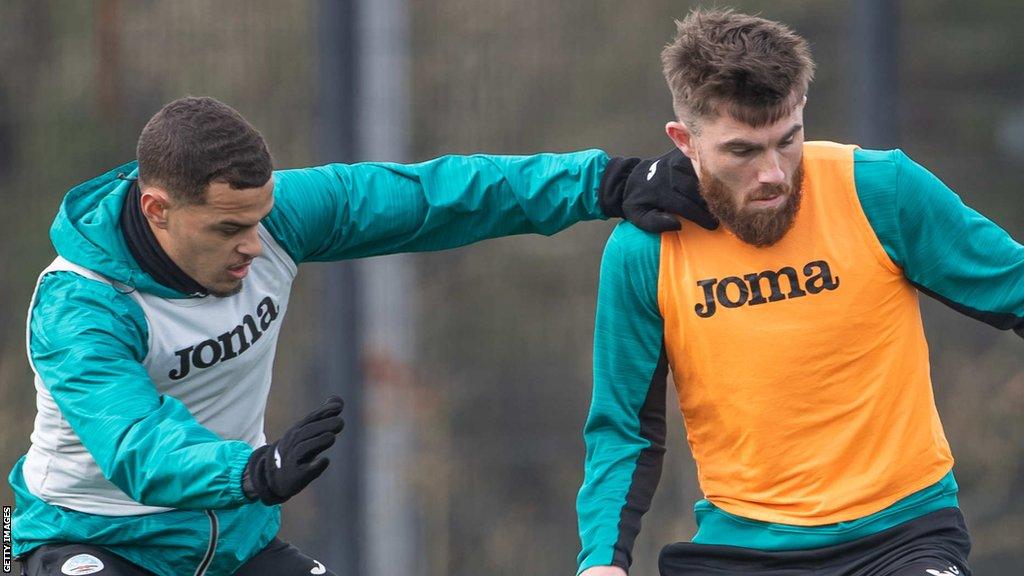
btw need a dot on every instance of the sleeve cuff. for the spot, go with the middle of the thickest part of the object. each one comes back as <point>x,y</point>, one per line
<point>236,469</point>
<point>612,189</point>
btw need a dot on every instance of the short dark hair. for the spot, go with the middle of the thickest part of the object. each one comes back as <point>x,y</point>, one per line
<point>753,69</point>
<point>193,141</point>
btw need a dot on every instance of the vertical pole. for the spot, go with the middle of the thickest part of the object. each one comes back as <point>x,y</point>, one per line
<point>382,127</point>
<point>340,492</point>
<point>876,104</point>
<point>108,36</point>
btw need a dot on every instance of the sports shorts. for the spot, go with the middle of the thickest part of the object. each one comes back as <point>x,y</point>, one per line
<point>278,558</point>
<point>936,544</point>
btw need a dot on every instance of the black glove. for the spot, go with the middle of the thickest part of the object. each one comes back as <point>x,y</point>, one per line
<point>647,192</point>
<point>277,471</point>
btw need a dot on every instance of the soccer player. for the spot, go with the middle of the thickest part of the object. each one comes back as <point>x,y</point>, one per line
<point>793,333</point>
<point>152,335</point>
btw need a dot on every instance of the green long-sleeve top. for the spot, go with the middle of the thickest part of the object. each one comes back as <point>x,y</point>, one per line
<point>928,235</point>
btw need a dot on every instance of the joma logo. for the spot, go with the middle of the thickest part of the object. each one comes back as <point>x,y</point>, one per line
<point>223,347</point>
<point>733,291</point>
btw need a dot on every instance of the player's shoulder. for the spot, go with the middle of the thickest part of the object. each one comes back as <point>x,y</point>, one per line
<point>71,310</point>
<point>628,241</point>
<point>633,253</point>
<point>881,171</point>
<point>70,296</point>
<point>891,158</point>
<point>67,287</point>
<point>632,261</point>
<point>823,150</point>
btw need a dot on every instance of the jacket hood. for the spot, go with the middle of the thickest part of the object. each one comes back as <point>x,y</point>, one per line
<point>87,231</point>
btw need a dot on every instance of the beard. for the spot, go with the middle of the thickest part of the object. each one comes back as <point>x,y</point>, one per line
<point>760,227</point>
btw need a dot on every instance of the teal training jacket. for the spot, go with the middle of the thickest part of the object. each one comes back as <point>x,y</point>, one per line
<point>151,401</point>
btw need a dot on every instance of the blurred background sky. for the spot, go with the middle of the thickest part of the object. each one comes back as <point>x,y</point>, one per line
<point>472,377</point>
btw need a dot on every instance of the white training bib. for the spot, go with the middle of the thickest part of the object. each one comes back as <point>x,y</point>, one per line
<point>215,355</point>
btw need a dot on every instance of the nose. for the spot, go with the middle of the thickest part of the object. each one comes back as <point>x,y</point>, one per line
<point>771,172</point>
<point>251,247</point>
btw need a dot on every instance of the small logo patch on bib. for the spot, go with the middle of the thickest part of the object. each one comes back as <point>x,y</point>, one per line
<point>82,564</point>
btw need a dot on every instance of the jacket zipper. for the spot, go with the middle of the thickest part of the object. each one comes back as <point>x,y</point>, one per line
<point>211,548</point>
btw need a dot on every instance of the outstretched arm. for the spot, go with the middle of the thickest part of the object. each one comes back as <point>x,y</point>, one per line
<point>625,430</point>
<point>342,211</point>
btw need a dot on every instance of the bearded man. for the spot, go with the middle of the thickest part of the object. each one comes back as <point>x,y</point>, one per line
<point>793,333</point>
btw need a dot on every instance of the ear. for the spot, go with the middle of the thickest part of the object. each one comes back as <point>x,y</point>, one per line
<point>682,137</point>
<point>155,205</point>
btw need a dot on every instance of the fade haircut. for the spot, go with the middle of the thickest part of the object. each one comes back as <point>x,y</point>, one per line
<point>193,141</point>
<point>721,61</point>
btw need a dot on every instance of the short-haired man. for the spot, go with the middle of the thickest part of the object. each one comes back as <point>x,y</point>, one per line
<point>793,333</point>
<point>152,335</point>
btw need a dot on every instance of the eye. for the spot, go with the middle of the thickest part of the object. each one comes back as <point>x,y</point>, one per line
<point>228,231</point>
<point>742,152</point>
<point>786,142</point>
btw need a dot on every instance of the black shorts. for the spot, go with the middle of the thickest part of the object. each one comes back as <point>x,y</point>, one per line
<point>935,544</point>
<point>278,558</point>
